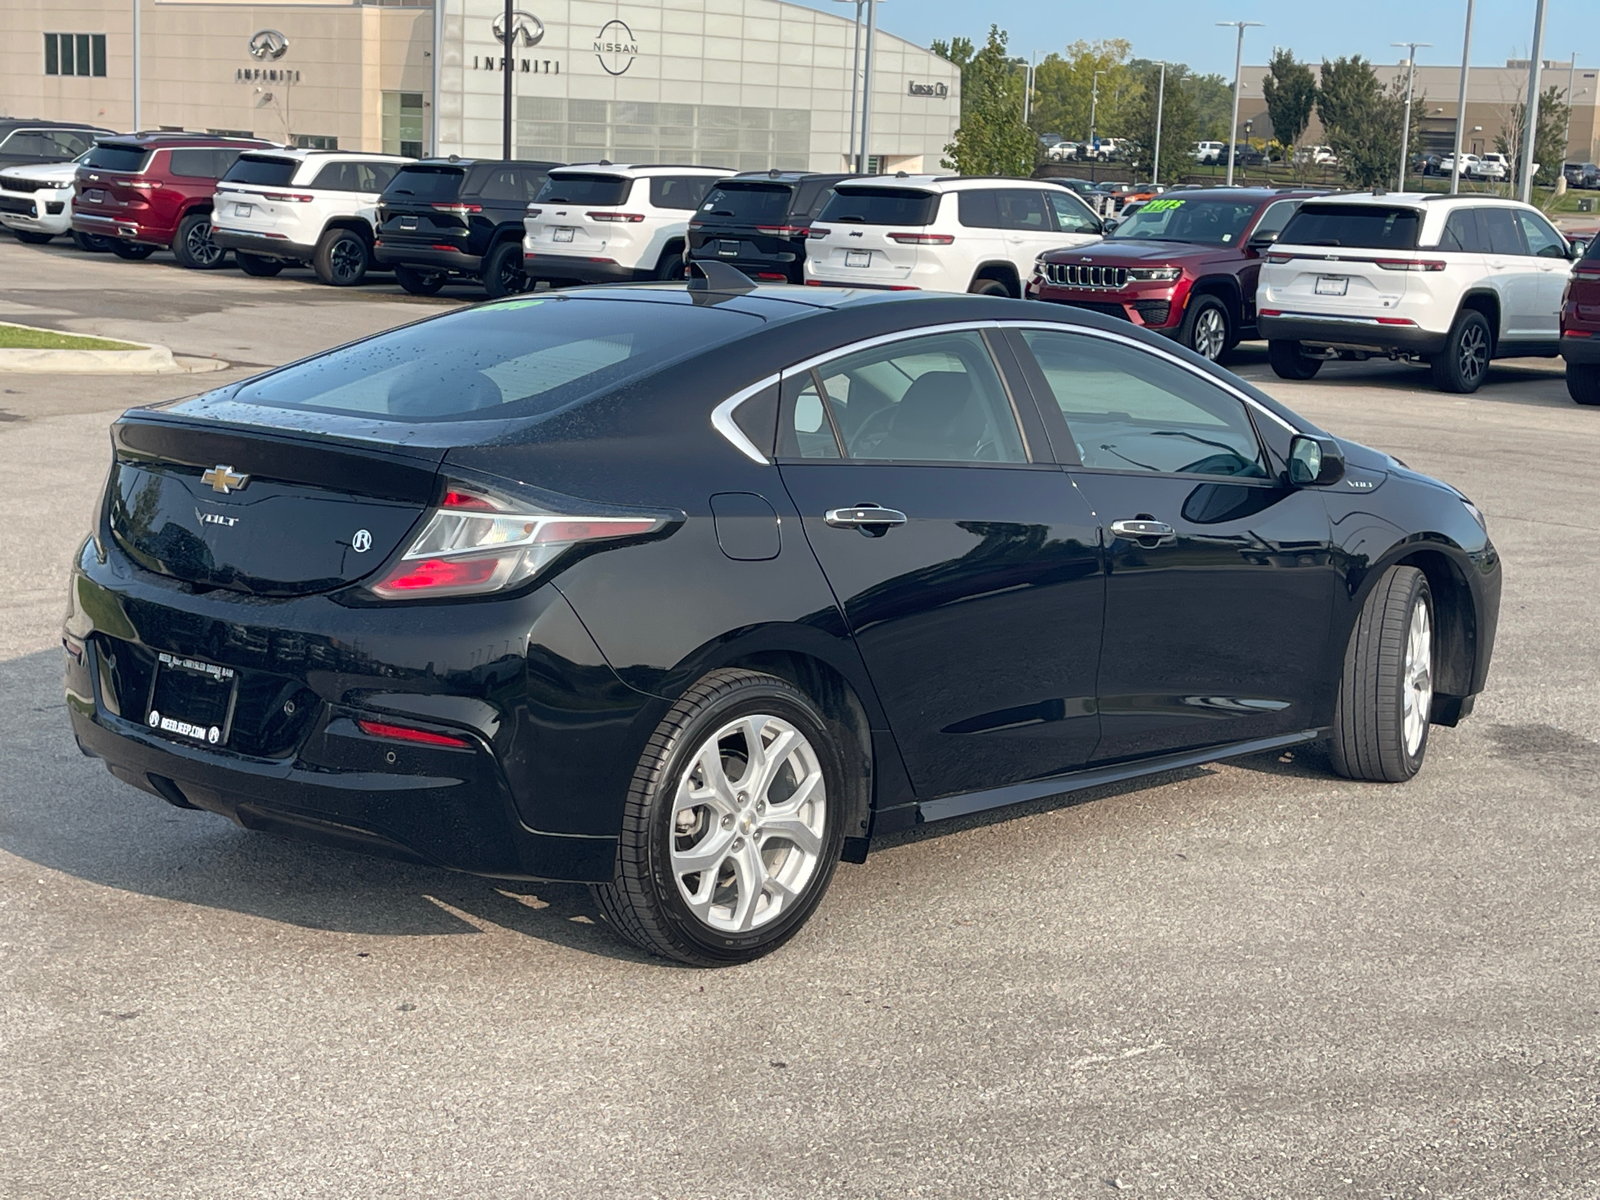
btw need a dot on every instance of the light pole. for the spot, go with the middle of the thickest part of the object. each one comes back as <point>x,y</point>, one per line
<point>1094,104</point>
<point>866,85</point>
<point>1530,124</point>
<point>505,67</point>
<point>137,123</point>
<point>1161,99</point>
<point>855,86</point>
<point>1027,93</point>
<point>1238,68</point>
<point>1405,128</point>
<point>1566,136</point>
<point>1461,103</point>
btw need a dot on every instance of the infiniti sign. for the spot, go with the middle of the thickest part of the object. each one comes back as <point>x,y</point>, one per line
<point>268,44</point>
<point>525,27</point>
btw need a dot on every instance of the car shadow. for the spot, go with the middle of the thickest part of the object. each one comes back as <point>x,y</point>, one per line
<point>65,812</point>
<point>1529,382</point>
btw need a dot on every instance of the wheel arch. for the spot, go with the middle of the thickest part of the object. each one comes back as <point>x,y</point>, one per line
<point>1002,272</point>
<point>1225,288</point>
<point>1486,301</point>
<point>355,224</point>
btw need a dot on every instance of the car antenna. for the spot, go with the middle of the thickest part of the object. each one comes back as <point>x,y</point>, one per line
<point>720,277</point>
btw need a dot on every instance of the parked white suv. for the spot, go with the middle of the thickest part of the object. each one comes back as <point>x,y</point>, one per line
<point>1209,152</point>
<point>943,233</point>
<point>275,208</point>
<point>609,222</point>
<point>1451,280</point>
<point>36,204</point>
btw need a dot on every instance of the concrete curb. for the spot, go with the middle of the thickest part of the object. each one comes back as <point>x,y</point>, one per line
<point>146,360</point>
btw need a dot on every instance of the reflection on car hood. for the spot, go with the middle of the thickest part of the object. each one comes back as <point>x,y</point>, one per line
<point>1135,252</point>
<point>42,173</point>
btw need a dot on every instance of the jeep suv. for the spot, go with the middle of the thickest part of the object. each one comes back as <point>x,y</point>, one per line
<point>1454,281</point>
<point>36,203</point>
<point>302,206</point>
<point>457,218</point>
<point>1580,328</point>
<point>24,143</point>
<point>605,223</point>
<point>1184,265</point>
<point>943,233</point>
<point>758,222</point>
<point>150,191</point>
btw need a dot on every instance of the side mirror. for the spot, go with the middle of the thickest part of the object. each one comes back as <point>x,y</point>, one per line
<point>1260,241</point>
<point>1109,224</point>
<point>1315,461</point>
<point>1577,248</point>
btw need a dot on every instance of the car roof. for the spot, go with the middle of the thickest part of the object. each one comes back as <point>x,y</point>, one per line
<point>777,176</point>
<point>13,123</point>
<point>640,170</point>
<point>161,139</point>
<point>457,161</point>
<point>300,154</point>
<point>1417,200</point>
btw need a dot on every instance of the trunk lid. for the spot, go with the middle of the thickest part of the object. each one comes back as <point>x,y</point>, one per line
<point>258,513</point>
<point>423,205</point>
<point>867,234</point>
<point>1345,259</point>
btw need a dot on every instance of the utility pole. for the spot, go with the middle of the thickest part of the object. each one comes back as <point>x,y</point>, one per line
<point>1161,99</point>
<point>1461,103</point>
<point>1238,68</point>
<point>505,67</point>
<point>1566,136</point>
<point>866,86</point>
<point>853,159</point>
<point>1027,94</point>
<point>138,124</point>
<point>1530,124</point>
<point>433,112</point>
<point>1094,104</point>
<point>1405,129</point>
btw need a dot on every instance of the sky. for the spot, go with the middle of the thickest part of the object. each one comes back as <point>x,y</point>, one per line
<point>1185,30</point>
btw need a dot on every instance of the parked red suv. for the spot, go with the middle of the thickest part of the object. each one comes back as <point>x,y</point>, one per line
<point>150,191</point>
<point>1184,265</point>
<point>1580,327</point>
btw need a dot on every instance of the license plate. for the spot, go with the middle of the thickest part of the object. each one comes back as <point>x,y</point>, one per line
<point>858,258</point>
<point>94,195</point>
<point>243,210</point>
<point>1332,285</point>
<point>728,249</point>
<point>408,222</point>
<point>191,701</point>
<point>562,235</point>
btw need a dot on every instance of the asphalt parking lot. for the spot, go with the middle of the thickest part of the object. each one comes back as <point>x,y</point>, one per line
<point>1242,980</point>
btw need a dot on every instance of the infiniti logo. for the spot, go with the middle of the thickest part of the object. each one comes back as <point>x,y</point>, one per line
<point>268,44</point>
<point>524,27</point>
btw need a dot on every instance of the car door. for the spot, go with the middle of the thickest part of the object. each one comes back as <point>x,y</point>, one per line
<point>967,570</point>
<point>1548,252</point>
<point>1219,586</point>
<point>1074,223</point>
<point>1028,227</point>
<point>1511,272</point>
<point>981,239</point>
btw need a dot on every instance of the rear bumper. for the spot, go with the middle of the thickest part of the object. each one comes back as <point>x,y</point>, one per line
<point>121,227</point>
<point>1581,350</point>
<point>426,258</point>
<point>760,269</point>
<point>571,269</point>
<point>260,244</point>
<point>1358,333</point>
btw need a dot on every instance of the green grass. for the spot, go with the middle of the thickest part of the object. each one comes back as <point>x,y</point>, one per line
<point>22,337</point>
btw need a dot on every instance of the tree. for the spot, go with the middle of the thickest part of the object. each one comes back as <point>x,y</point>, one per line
<point>1549,140</point>
<point>1063,87</point>
<point>1290,90</point>
<point>1363,120</point>
<point>1177,119</point>
<point>1212,97</point>
<point>991,139</point>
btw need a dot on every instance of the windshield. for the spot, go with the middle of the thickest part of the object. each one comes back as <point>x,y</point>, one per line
<point>881,206</point>
<point>250,169</point>
<point>1371,226</point>
<point>425,183</point>
<point>108,156</point>
<point>1170,219</point>
<point>514,358</point>
<point>747,204</point>
<point>584,189</point>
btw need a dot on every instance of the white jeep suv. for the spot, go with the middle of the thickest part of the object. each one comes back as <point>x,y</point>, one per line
<point>36,204</point>
<point>1450,280</point>
<point>943,233</point>
<point>608,222</point>
<point>275,208</point>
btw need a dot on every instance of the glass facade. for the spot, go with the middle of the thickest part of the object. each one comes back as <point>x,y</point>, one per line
<point>402,123</point>
<point>745,139</point>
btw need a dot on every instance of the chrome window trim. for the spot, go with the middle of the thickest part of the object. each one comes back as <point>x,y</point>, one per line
<point>722,416</point>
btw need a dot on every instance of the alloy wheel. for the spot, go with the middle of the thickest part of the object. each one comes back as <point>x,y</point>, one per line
<point>512,280</point>
<point>747,824</point>
<point>1473,353</point>
<point>346,259</point>
<point>1210,334</point>
<point>1417,678</point>
<point>202,249</point>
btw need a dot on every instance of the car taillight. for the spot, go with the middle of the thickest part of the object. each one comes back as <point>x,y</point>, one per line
<point>1586,276</point>
<point>289,197</point>
<point>535,212</point>
<point>922,239</point>
<point>460,210</point>
<point>630,218</point>
<point>818,234</point>
<point>1280,259</point>
<point>475,544</point>
<point>1410,264</point>
<point>782,230</point>
<point>404,733</point>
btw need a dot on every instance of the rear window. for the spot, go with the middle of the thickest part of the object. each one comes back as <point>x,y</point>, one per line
<point>1370,226</point>
<point>747,204</point>
<point>683,192</point>
<point>211,163</point>
<point>273,171</point>
<point>585,189</point>
<point>365,177</point>
<point>425,184</point>
<point>519,357</point>
<point>881,206</point>
<point>112,157</point>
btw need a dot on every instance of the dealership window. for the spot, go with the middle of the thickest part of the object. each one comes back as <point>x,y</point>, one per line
<point>746,139</point>
<point>75,54</point>
<point>239,133</point>
<point>315,141</point>
<point>402,123</point>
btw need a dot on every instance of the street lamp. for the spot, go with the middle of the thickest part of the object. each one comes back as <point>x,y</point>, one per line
<point>1461,102</point>
<point>1161,99</point>
<point>855,84</point>
<point>1405,128</point>
<point>1530,124</point>
<point>866,84</point>
<point>1094,103</point>
<point>1238,67</point>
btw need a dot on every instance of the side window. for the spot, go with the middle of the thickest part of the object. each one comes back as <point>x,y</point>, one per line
<point>1275,218</point>
<point>194,164</point>
<point>976,209</point>
<point>335,177</point>
<point>502,184</point>
<point>683,192</point>
<point>1543,241</point>
<point>1463,232</point>
<point>1499,230</point>
<point>928,399</point>
<point>1023,209</point>
<point>532,180</point>
<point>1131,410</point>
<point>808,433</point>
<point>24,142</point>
<point>1072,214</point>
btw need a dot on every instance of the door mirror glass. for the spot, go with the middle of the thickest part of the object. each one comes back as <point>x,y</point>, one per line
<point>1315,461</point>
<point>1109,225</point>
<point>1577,248</point>
<point>1262,238</point>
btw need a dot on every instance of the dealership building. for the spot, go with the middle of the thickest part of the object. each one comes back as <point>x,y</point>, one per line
<point>747,84</point>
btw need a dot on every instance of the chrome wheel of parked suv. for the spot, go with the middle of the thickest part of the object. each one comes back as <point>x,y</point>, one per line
<point>193,246</point>
<point>341,258</point>
<point>1205,327</point>
<point>1464,361</point>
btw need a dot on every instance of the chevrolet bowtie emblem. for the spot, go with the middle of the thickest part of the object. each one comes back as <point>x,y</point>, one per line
<point>222,479</point>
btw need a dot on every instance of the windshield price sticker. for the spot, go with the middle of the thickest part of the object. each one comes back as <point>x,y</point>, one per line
<point>1161,205</point>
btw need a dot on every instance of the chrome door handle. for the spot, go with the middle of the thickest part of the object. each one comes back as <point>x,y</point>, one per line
<point>867,517</point>
<point>1144,531</point>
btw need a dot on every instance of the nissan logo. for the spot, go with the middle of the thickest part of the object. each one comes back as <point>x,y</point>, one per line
<point>268,44</point>
<point>525,27</point>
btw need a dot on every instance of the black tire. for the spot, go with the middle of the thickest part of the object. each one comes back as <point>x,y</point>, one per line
<point>1369,724</point>
<point>1207,329</point>
<point>132,251</point>
<point>672,265</point>
<point>29,238</point>
<point>989,287</point>
<point>1462,364</point>
<point>341,258</point>
<point>194,247</point>
<point>502,271</point>
<point>1583,382</point>
<point>254,264</point>
<point>91,243</point>
<point>419,283</point>
<point>1289,361</point>
<point>644,900</point>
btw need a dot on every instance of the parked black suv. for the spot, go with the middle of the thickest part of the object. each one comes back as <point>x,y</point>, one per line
<point>25,143</point>
<point>758,222</point>
<point>1581,174</point>
<point>445,218</point>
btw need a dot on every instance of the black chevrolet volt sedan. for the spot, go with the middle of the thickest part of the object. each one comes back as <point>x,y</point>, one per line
<point>691,592</point>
